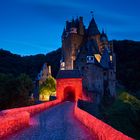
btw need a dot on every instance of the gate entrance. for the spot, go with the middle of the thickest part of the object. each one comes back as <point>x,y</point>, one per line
<point>69,94</point>
<point>69,85</point>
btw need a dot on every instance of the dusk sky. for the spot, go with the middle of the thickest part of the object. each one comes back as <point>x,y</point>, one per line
<point>35,26</point>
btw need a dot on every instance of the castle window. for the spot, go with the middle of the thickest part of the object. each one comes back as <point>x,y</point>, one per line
<point>90,59</point>
<point>73,30</point>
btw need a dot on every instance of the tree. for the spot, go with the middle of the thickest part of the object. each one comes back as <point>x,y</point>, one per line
<point>14,91</point>
<point>48,88</point>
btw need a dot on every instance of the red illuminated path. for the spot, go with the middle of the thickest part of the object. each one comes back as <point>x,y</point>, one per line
<point>56,123</point>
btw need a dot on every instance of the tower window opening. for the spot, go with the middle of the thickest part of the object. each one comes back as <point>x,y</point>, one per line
<point>90,59</point>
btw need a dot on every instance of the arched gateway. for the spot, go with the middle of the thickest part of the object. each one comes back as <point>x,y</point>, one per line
<point>69,85</point>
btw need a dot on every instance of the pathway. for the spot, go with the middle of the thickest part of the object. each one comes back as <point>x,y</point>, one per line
<point>56,123</point>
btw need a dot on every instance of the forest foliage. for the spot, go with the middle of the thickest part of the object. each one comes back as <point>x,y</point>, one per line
<point>49,87</point>
<point>124,114</point>
<point>15,91</point>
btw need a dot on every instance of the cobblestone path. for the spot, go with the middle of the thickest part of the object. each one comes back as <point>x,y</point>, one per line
<point>56,123</point>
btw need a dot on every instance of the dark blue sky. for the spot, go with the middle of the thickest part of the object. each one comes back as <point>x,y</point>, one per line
<point>35,26</point>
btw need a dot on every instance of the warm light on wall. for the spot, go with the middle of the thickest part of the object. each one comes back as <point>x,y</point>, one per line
<point>98,57</point>
<point>44,97</point>
<point>110,57</point>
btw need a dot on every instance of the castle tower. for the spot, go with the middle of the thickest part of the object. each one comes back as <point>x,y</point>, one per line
<point>72,39</point>
<point>103,42</point>
<point>89,51</point>
<point>81,29</point>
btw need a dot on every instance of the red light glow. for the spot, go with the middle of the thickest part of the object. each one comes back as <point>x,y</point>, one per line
<point>69,89</point>
<point>99,129</point>
<point>14,119</point>
<point>10,124</point>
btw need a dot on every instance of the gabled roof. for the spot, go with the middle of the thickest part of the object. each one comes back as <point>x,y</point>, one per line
<point>68,74</point>
<point>91,47</point>
<point>93,29</point>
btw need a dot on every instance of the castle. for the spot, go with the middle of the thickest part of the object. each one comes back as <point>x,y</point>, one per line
<point>90,52</point>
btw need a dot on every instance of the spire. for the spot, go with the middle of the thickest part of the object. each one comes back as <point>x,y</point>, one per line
<point>103,32</point>
<point>77,22</point>
<point>72,23</point>
<point>91,12</point>
<point>103,36</point>
<point>81,26</point>
<point>68,25</point>
<point>92,28</point>
<point>64,33</point>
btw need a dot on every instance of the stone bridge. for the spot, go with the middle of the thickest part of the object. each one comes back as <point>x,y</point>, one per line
<point>54,120</point>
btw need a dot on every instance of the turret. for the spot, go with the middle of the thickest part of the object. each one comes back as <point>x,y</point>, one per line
<point>64,34</point>
<point>81,28</point>
<point>105,59</point>
<point>92,28</point>
<point>103,37</point>
<point>68,26</point>
<point>104,42</point>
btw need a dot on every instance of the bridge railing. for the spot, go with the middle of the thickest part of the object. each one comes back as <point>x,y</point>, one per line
<point>98,128</point>
<point>12,120</point>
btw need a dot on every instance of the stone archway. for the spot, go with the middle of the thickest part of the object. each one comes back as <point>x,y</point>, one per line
<point>69,94</point>
<point>69,85</point>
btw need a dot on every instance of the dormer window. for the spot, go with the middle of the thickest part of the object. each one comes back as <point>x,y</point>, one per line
<point>90,59</point>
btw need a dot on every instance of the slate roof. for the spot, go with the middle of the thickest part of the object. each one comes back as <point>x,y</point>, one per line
<point>105,60</point>
<point>68,74</point>
<point>93,29</point>
<point>91,46</point>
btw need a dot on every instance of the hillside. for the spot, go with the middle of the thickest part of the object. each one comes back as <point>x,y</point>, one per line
<point>31,65</point>
<point>128,63</point>
<point>124,114</point>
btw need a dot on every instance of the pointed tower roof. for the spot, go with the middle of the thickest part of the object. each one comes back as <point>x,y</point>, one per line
<point>72,23</point>
<point>64,32</point>
<point>105,59</point>
<point>103,36</point>
<point>92,28</point>
<point>68,25</point>
<point>77,22</point>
